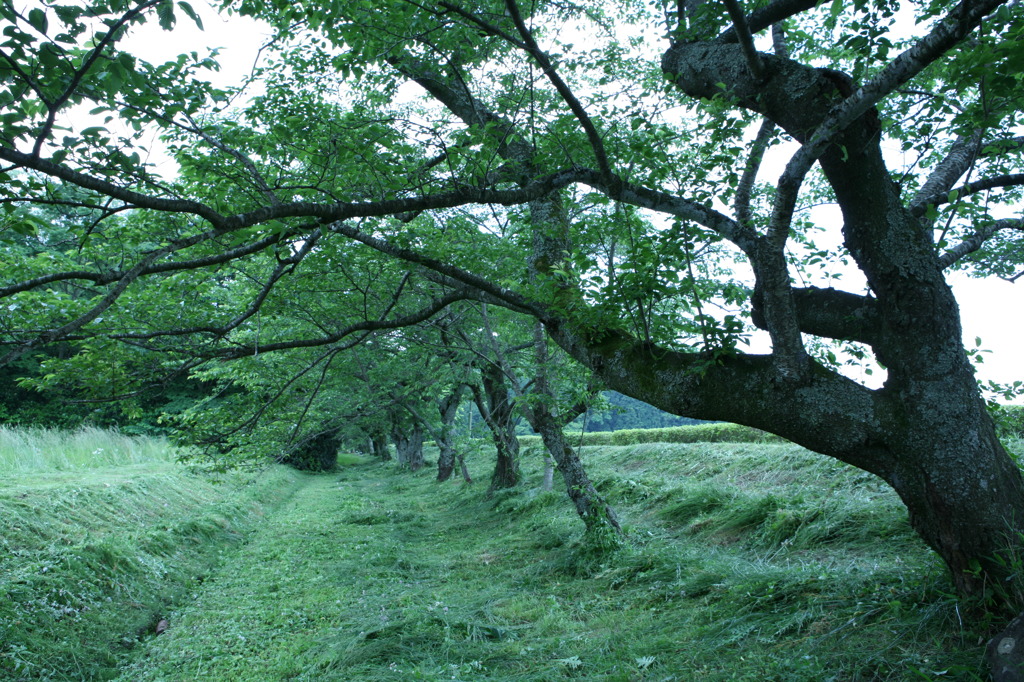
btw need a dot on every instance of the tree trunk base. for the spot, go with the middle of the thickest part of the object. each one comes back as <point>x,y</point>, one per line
<point>1005,653</point>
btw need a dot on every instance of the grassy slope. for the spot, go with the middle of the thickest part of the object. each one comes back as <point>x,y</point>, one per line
<point>92,557</point>
<point>745,562</point>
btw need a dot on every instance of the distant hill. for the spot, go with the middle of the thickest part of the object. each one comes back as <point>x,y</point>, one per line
<point>624,412</point>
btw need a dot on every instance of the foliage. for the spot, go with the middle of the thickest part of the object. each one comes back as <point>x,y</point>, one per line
<point>1010,421</point>
<point>394,159</point>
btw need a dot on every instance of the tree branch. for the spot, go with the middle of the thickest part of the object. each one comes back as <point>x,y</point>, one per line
<point>773,13</point>
<point>506,296</point>
<point>958,160</point>
<point>830,313</point>
<point>101,278</point>
<point>109,38</point>
<point>976,240</point>
<point>746,183</point>
<point>409,320</point>
<point>283,267</point>
<point>1003,146</point>
<point>739,23</point>
<point>968,188</point>
<point>596,143</point>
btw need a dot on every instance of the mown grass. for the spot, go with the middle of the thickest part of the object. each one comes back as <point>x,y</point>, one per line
<point>744,562</point>
<point>92,557</point>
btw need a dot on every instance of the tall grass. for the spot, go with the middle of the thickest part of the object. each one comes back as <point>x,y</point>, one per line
<point>33,450</point>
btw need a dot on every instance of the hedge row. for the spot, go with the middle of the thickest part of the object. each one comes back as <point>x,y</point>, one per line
<point>1009,422</point>
<point>718,432</point>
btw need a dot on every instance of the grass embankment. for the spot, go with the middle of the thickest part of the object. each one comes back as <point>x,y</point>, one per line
<point>99,535</point>
<point>712,432</point>
<point>744,562</point>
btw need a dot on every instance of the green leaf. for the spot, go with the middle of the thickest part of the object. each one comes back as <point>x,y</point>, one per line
<point>37,18</point>
<point>834,11</point>
<point>187,9</point>
<point>48,55</point>
<point>165,13</point>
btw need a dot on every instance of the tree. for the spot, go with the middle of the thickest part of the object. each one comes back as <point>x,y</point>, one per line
<point>605,182</point>
<point>549,394</point>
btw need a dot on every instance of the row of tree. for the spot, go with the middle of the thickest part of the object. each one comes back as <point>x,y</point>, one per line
<point>597,168</point>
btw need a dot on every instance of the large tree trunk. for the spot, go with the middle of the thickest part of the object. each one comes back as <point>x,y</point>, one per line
<point>926,432</point>
<point>409,446</point>
<point>963,491</point>
<point>930,439</point>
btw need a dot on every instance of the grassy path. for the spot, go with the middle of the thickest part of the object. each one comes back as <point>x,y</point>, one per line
<point>342,583</point>
<point>372,575</point>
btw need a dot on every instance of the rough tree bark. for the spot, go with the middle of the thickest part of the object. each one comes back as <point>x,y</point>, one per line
<point>409,445</point>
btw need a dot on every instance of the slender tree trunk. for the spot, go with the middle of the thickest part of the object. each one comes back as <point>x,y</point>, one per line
<point>379,446</point>
<point>595,512</point>
<point>462,467</point>
<point>448,407</point>
<point>549,472</point>
<point>495,405</point>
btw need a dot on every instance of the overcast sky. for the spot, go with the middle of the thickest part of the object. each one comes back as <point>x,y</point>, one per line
<point>991,309</point>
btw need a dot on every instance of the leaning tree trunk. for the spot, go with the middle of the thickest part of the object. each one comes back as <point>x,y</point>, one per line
<point>926,431</point>
<point>591,507</point>
<point>596,513</point>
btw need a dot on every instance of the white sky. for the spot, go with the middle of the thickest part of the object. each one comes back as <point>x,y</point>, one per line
<point>991,308</point>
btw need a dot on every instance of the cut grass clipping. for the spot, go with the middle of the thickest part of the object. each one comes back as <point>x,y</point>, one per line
<point>744,562</point>
<point>92,558</point>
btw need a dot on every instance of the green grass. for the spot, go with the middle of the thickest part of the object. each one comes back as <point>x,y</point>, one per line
<point>93,557</point>
<point>743,562</point>
<point>716,432</point>
<point>34,450</point>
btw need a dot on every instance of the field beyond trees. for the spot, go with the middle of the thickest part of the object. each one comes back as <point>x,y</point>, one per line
<point>742,561</point>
